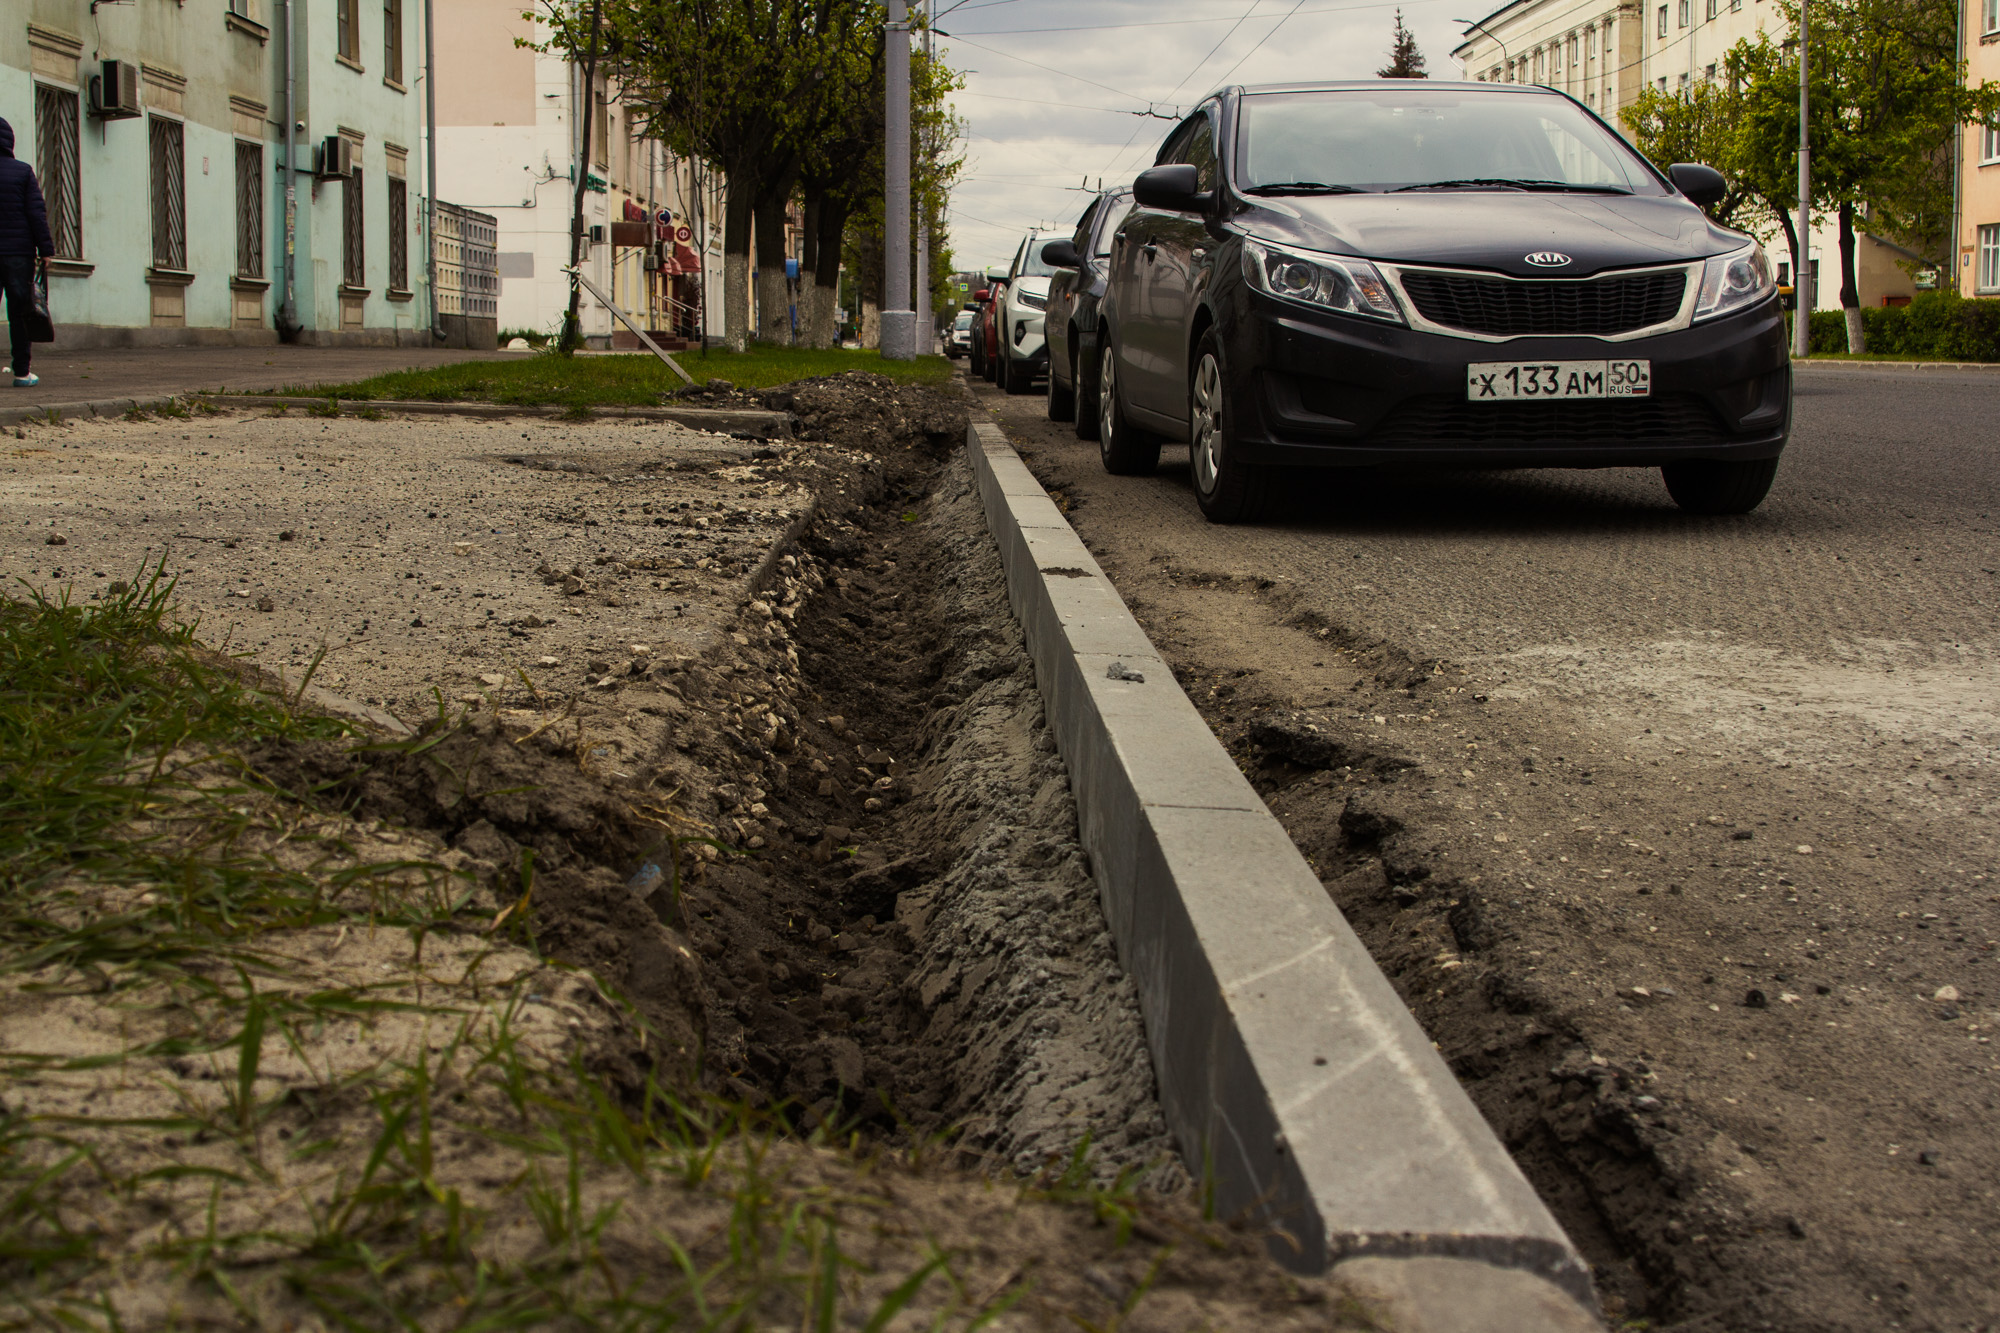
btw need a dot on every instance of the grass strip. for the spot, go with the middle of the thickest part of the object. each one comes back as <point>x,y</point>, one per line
<point>617,381</point>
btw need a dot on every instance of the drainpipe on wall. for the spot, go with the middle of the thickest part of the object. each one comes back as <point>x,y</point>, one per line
<point>288,305</point>
<point>431,168</point>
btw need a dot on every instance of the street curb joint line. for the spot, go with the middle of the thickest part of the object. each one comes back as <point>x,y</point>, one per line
<point>1289,1070</point>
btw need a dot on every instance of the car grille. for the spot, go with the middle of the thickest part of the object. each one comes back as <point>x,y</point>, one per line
<point>1442,422</point>
<point>1506,308</point>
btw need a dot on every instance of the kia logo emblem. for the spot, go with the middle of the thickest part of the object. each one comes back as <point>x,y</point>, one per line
<point>1548,259</point>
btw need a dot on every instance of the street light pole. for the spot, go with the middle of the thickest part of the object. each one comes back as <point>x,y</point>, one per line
<point>899,320</point>
<point>1804,279</point>
<point>923,279</point>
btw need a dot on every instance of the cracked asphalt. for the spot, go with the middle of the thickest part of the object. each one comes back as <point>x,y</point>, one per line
<point>1677,833</point>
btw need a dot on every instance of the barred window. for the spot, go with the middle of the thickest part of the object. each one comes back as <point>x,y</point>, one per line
<point>60,168</point>
<point>353,254</point>
<point>249,209</point>
<point>399,235</point>
<point>169,153</point>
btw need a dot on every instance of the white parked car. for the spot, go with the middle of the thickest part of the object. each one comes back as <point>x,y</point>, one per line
<point>1023,352</point>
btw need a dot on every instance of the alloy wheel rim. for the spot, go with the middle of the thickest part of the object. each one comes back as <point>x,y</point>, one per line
<point>1207,423</point>
<point>1107,398</point>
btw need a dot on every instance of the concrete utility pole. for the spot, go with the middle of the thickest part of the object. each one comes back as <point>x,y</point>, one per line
<point>1805,279</point>
<point>923,279</point>
<point>899,319</point>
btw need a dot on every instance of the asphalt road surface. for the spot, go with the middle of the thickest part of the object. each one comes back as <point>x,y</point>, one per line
<point>1677,833</point>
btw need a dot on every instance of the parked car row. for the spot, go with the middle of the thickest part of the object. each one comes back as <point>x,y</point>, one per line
<point>1353,274</point>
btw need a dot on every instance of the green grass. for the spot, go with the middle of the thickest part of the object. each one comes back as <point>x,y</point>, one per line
<point>618,381</point>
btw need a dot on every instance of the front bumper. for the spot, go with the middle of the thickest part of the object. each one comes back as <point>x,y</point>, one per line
<point>1025,341</point>
<point>1327,390</point>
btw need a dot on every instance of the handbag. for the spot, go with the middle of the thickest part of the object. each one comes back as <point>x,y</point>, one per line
<point>41,326</point>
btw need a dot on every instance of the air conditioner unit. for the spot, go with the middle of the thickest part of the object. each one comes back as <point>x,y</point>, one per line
<point>652,262</point>
<point>596,233</point>
<point>114,94</point>
<point>336,158</point>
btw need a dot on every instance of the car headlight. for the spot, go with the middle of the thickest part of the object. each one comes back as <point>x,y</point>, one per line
<point>1351,286</point>
<point>1032,301</point>
<point>1735,280</point>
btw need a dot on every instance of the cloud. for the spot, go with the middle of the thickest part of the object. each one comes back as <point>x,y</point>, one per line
<point>1056,91</point>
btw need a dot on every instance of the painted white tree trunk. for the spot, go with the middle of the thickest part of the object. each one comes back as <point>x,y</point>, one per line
<point>735,301</point>
<point>1857,335</point>
<point>774,314</point>
<point>871,324</point>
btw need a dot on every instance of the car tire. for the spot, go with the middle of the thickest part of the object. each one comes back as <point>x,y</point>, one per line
<point>1126,450</point>
<point>1083,386</point>
<point>1227,489</point>
<point>1705,487</point>
<point>991,370</point>
<point>975,364</point>
<point>1062,397</point>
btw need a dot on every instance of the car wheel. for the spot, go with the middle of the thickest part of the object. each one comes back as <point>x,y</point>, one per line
<point>1126,450</point>
<point>1062,397</point>
<point>991,370</point>
<point>1084,389</point>
<point>1720,488</point>
<point>1227,489</point>
<point>975,364</point>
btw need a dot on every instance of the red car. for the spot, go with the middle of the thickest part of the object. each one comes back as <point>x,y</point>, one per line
<point>985,361</point>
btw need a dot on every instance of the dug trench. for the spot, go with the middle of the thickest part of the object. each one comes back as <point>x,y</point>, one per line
<point>845,882</point>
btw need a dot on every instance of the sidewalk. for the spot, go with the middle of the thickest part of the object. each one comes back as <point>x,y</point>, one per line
<point>155,372</point>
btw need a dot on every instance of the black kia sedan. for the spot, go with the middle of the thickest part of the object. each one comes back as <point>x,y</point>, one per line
<point>1353,274</point>
<point>1076,293</point>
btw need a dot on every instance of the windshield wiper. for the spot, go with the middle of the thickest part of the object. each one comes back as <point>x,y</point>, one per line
<point>1302,187</point>
<point>1513,183</point>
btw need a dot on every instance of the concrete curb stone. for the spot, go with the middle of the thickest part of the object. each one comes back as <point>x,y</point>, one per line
<point>1290,1071</point>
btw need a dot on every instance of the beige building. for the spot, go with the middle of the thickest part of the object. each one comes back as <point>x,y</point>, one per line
<point>1590,49</point>
<point>1979,161</point>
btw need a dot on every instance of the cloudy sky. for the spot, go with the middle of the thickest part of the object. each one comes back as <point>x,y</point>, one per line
<point>1052,87</point>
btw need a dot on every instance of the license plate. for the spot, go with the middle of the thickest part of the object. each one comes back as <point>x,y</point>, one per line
<point>1504,381</point>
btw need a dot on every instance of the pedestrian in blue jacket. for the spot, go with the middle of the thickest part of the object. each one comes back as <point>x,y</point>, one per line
<point>24,236</point>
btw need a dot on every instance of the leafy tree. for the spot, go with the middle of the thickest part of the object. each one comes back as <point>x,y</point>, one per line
<point>1888,93</point>
<point>1701,126</point>
<point>1405,60</point>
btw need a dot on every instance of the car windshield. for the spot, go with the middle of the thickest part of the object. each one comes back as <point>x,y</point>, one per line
<point>1030,263</point>
<point>964,321</point>
<point>1117,205</point>
<point>1340,141</point>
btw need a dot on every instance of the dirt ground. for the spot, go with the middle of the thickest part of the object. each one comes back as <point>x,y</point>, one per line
<point>1705,924</point>
<point>744,733</point>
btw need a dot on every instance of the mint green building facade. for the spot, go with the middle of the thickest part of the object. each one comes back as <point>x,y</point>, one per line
<point>166,171</point>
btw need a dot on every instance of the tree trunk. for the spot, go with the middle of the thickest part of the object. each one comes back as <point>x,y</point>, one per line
<point>736,266</point>
<point>774,316</point>
<point>1850,292</point>
<point>572,329</point>
<point>871,323</point>
<point>831,228</point>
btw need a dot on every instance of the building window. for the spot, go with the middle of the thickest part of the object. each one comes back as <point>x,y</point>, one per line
<point>1687,12</point>
<point>1708,74</point>
<point>392,40</point>
<point>1663,30</point>
<point>347,28</point>
<point>1990,16</point>
<point>168,142</point>
<point>399,235</point>
<point>1989,258</point>
<point>249,209</point>
<point>1989,142</point>
<point>1711,8</point>
<point>240,8</point>
<point>353,250</point>
<point>58,164</point>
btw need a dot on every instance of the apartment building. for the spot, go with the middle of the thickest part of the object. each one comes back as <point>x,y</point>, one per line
<point>157,129</point>
<point>1604,54</point>
<point>510,122</point>
<point>1979,160</point>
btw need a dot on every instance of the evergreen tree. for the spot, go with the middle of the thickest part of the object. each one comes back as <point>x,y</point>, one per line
<point>1405,60</point>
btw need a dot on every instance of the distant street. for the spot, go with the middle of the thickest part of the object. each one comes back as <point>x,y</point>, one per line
<point>1745,766</point>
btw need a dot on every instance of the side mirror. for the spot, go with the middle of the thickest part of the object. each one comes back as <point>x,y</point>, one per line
<point>1175,188</point>
<point>1702,185</point>
<point>1061,254</point>
<point>982,294</point>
